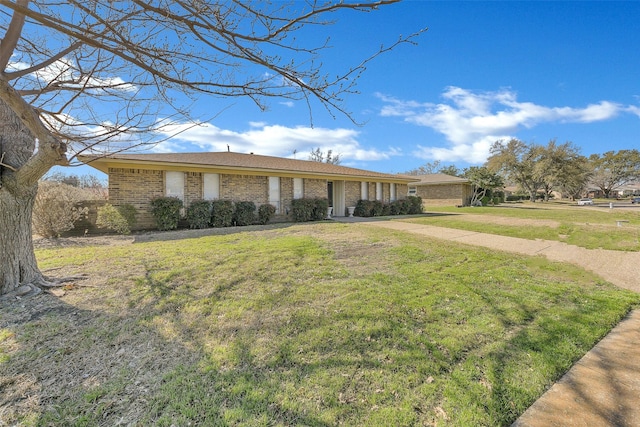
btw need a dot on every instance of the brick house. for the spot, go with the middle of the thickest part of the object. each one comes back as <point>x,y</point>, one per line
<point>438,189</point>
<point>138,178</point>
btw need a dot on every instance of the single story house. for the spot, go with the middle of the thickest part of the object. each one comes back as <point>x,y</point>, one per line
<point>438,189</point>
<point>136,179</point>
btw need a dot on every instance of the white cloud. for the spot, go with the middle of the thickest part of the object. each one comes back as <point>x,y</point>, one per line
<point>471,121</point>
<point>271,140</point>
<point>64,70</point>
<point>634,110</point>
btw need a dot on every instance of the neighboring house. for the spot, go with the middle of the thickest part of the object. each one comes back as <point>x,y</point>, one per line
<point>438,189</point>
<point>136,179</point>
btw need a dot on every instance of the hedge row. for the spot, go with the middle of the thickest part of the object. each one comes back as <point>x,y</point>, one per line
<point>204,213</point>
<point>410,206</point>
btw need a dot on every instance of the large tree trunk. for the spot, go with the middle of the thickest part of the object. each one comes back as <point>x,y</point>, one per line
<point>18,264</point>
<point>18,187</point>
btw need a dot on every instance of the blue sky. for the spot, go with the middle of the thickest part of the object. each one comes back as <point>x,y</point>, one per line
<point>484,71</point>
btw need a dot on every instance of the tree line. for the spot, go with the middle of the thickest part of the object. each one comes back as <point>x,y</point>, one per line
<point>537,168</point>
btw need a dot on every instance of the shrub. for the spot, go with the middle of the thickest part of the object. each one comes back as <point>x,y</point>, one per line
<point>166,212</point>
<point>55,208</point>
<point>199,214</point>
<point>302,209</point>
<point>362,208</point>
<point>129,213</point>
<point>320,207</point>
<point>244,213</point>
<point>119,219</point>
<point>377,208</point>
<point>222,213</point>
<point>307,209</point>
<point>400,207</point>
<point>266,213</point>
<point>415,205</point>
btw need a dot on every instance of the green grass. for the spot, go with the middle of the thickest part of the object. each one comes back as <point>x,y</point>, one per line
<point>316,325</point>
<point>580,226</point>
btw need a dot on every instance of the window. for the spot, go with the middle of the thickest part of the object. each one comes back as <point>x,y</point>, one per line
<point>274,192</point>
<point>364,190</point>
<point>210,186</point>
<point>413,191</point>
<point>378,191</point>
<point>174,184</point>
<point>298,189</point>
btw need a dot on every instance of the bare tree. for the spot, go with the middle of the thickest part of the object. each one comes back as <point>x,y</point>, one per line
<point>317,155</point>
<point>104,76</point>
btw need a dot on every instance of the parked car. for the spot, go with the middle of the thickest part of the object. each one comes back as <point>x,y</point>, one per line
<point>585,201</point>
<point>635,200</point>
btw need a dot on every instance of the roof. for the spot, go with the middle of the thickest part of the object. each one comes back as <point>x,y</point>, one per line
<point>438,179</point>
<point>229,161</point>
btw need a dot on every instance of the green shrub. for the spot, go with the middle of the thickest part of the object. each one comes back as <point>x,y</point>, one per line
<point>363,208</point>
<point>166,212</point>
<point>307,209</point>
<point>244,213</point>
<point>129,213</point>
<point>222,213</point>
<point>119,219</point>
<point>320,207</point>
<point>266,213</point>
<point>199,214</point>
<point>377,208</point>
<point>400,207</point>
<point>415,205</point>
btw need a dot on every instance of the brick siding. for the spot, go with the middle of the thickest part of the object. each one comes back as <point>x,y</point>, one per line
<point>444,195</point>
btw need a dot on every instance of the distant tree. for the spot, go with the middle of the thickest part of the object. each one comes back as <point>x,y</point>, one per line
<point>518,162</point>
<point>317,155</point>
<point>561,167</point>
<point>482,181</point>
<point>434,167</point>
<point>613,169</point>
<point>451,170</point>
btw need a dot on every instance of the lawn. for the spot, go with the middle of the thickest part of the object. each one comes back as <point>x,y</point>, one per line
<point>583,226</point>
<point>316,324</point>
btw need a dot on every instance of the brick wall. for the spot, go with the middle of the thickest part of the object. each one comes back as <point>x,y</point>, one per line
<point>444,195</point>
<point>352,193</point>
<point>239,188</point>
<point>193,187</point>
<point>315,188</point>
<point>136,187</point>
<point>402,191</point>
<point>372,191</point>
<point>286,194</point>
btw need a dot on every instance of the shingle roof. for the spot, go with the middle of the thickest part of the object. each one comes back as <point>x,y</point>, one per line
<point>230,160</point>
<point>438,178</point>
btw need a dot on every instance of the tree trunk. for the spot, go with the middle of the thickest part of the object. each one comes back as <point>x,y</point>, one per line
<point>18,264</point>
<point>17,195</point>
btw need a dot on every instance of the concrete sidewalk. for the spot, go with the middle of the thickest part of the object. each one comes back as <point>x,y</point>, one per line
<point>602,388</point>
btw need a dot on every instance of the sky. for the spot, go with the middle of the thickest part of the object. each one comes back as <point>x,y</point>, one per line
<point>482,72</point>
